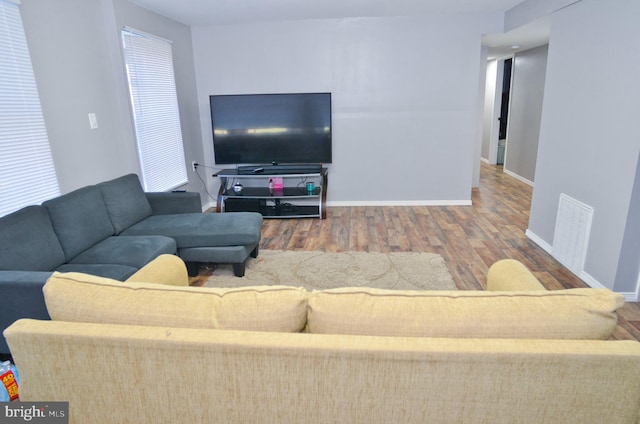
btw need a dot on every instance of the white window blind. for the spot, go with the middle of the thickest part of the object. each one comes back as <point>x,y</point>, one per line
<point>155,110</point>
<point>27,174</point>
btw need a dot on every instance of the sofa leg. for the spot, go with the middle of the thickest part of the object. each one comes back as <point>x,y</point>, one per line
<point>254,253</point>
<point>193,268</point>
<point>238,269</point>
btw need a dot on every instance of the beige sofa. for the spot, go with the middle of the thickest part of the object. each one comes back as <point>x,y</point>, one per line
<point>150,353</point>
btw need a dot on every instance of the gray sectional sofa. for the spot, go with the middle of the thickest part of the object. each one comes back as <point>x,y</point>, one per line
<point>112,229</point>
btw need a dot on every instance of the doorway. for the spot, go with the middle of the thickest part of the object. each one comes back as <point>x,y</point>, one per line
<point>503,119</point>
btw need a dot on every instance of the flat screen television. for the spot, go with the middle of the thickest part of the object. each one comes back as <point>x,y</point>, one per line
<point>277,129</point>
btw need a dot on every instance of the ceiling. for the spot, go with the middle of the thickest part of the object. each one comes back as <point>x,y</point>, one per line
<point>227,12</point>
<point>526,37</point>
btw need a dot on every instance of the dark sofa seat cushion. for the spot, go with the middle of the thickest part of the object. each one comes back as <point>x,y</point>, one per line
<point>22,297</point>
<point>29,242</point>
<point>130,251</point>
<point>203,229</point>
<point>125,201</point>
<point>79,219</point>
<point>115,272</point>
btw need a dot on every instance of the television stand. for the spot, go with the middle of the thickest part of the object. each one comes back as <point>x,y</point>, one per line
<point>258,193</point>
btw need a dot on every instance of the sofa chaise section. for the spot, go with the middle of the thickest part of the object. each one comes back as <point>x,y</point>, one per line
<point>200,237</point>
<point>217,238</point>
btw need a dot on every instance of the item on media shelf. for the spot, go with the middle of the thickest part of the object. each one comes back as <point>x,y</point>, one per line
<point>311,187</point>
<point>278,184</point>
<point>10,382</point>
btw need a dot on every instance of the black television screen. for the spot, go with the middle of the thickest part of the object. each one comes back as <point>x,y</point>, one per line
<point>271,128</point>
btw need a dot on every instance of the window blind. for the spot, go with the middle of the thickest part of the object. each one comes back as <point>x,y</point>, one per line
<point>156,116</point>
<point>27,173</point>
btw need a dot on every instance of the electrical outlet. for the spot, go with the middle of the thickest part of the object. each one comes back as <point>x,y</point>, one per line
<point>93,121</point>
<point>194,165</point>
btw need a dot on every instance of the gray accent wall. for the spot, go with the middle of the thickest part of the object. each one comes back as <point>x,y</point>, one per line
<point>589,145</point>
<point>628,272</point>
<point>406,93</point>
<point>525,111</point>
<point>406,96</point>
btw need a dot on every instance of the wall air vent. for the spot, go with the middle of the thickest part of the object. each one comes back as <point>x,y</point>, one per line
<point>571,236</point>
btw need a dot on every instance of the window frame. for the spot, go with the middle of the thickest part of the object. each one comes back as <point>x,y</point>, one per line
<point>149,66</point>
<point>27,170</point>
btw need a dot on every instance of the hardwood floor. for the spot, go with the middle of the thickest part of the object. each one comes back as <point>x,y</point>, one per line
<point>469,238</point>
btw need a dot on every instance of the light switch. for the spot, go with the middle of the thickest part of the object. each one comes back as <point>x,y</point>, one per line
<point>93,122</point>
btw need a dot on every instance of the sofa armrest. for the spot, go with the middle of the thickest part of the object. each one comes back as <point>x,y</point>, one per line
<point>21,292</point>
<point>165,269</point>
<point>164,203</point>
<point>511,275</point>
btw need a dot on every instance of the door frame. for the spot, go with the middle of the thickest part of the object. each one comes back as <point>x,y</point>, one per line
<point>497,105</point>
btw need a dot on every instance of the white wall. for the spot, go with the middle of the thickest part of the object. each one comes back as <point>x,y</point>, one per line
<point>589,143</point>
<point>489,107</point>
<point>525,111</point>
<point>628,272</point>
<point>127,14</point>
<point>405,95</point>
<point>477,154</point>
<point>530,10</point>
<point>73,69</point>
<point>77,60</point>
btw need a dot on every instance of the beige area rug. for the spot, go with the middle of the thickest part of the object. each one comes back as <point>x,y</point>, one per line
<point>323,270</point>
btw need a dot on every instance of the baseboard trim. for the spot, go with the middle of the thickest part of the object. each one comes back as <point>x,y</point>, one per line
<point>400,203</point>
<point>348,203</point>
<point>584,276</point>
<point>630,297</point>
<point>539,241</point>
<point>518,177</point>
<point>592,282</point>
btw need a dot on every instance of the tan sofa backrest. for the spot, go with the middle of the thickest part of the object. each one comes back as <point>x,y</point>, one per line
<point>563,314</point>
<point>87,298</point>
<point>114,373</point>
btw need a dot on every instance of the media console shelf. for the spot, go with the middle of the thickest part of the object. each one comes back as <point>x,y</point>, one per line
<point>258,195</point>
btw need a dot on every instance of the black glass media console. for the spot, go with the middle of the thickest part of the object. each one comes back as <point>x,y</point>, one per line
<point>274,192</point>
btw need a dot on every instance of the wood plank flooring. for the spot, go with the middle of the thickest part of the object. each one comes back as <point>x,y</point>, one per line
<point>469,238</point>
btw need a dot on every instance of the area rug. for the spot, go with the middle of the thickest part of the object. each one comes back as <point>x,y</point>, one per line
<point>323,270</point>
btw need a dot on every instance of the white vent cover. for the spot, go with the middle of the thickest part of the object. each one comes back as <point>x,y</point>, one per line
<point>571,236</point>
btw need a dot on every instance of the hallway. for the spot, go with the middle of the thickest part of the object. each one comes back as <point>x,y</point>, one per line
<point>469,238</point>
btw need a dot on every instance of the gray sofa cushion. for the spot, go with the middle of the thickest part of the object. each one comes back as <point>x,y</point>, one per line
<point>28,241</point>
<point>22,297</point>
<point>203,229</point>
<point>115,272</point>
<point>79,219</point>
<point>126,201</point>
<point>123,250</point>
<point>166,203</point>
